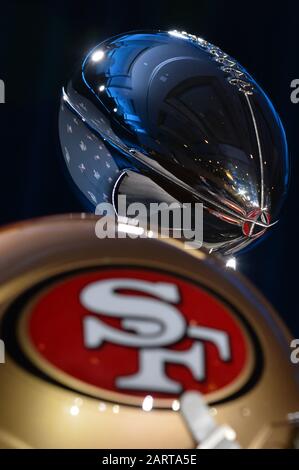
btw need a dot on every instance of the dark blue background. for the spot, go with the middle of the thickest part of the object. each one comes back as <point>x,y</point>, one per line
<point>40,42</point>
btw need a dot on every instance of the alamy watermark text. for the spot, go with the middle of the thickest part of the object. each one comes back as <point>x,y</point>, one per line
<point>2,91</point>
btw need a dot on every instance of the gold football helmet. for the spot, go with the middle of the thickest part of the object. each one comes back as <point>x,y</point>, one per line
<point>135,343</point>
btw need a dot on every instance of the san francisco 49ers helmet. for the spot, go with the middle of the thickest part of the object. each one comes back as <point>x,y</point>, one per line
<point>169,117</point>
<point>135,343</point>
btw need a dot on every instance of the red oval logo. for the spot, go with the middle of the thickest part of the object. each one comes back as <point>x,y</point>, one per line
<point>133,332</point>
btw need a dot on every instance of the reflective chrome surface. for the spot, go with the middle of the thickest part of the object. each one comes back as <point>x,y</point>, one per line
<point>186,117</point>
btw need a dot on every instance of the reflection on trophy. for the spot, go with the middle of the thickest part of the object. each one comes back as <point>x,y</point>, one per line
<point>168,117</point>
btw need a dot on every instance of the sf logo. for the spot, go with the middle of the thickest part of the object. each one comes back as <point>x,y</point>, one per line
<point>151,323</point>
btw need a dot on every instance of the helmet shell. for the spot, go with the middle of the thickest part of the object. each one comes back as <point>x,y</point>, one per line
<point>59,390</point>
